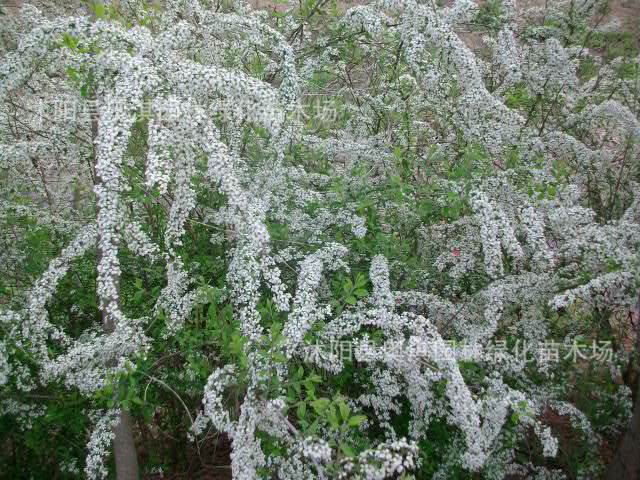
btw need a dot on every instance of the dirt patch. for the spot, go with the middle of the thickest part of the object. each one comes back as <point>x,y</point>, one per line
<point>628,12</point>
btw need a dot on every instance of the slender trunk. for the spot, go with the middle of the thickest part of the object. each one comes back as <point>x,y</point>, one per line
<point>124,448</point>
<point>625,464</point>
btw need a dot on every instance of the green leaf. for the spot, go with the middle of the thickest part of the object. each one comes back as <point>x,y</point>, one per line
<point>99,10</point>
<point>137,297</point>
<point>361,292</point>
<point>320,405</point>
<point>302,410</point>
<point>345,411</point>
<point>291,395</point>
<point>332,415</point>
<point>69,41</point>
<point>351,300</point>
<point>313,427</point>
<point>279,357</point>
<point>357,420</point>
<point>347,450</point>
<point>73,74</point>
<point>311,391</point>
<point>212,313</point>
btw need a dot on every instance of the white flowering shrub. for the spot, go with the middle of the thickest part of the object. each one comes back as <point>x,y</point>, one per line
<point>391,240</point>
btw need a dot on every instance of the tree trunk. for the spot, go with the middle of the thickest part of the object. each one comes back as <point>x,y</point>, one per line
<point>124,448</point>
<point>625,464</point>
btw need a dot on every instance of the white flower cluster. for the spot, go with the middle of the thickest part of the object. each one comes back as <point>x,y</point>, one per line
<point>5,369</point>
<point>496,233</point>
<point>316,450</point>
<point>24,413</point>
<point>384,461</point>
<point>100,444</point>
